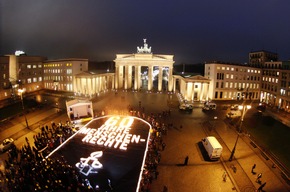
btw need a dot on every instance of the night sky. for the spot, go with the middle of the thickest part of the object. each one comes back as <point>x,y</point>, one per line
<point>193,31</point>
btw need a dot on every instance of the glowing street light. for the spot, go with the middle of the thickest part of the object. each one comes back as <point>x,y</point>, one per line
<point>20,91</point>
<point>244,109</point>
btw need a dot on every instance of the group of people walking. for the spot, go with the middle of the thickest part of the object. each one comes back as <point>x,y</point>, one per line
<point>258,180</point>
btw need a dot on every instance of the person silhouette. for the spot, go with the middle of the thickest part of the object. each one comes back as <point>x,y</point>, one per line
<point>186,161</point>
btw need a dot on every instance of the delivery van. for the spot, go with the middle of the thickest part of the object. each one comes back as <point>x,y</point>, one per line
<point>186,107</point>
<point>233,114</point>
<point>213,147</point>
<point>209,106</point>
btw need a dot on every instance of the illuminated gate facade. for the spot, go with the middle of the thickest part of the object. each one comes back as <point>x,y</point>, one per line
<point>128,69</point>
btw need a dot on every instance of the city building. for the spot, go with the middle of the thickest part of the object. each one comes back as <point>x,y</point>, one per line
<point>59,74</point>
<point>192,88</point>
<point>275,84</point>
<point>263,79</point>
<point>20,72</point>
<point>91,84</point>
<point>233,81</point>
<point>4,77</point>
<point>258,58</point>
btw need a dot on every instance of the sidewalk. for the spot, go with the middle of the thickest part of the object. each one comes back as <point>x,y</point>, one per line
<point>238,170</point>
<point>19,123</point>
<point>245,157</point>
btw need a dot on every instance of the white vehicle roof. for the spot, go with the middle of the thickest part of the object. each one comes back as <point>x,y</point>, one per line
<point>214,142</point>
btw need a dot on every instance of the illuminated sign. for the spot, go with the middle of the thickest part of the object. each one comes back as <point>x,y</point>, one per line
<point>90,164</point>
<point>109,152</point>
<point>115,132</point>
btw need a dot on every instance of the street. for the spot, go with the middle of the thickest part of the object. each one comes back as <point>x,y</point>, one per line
<point>183,139</point>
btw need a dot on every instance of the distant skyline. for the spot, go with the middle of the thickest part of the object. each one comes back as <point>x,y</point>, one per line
<point>192,31</point>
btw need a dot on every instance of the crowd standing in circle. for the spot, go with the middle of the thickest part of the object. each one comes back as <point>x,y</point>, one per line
<point>27,169</point>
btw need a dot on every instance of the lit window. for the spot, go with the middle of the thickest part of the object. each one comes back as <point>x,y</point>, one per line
<point>29,80</point>
<point>34,66</point>
<point>34,79</point>
<point>28,66</point>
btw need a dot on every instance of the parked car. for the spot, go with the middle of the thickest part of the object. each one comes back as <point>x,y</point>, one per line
<point>261,107</point>
<point>185,107</point>
<point>6,144</point>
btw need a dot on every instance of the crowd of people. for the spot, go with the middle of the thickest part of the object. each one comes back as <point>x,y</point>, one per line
<point>153,156</point>
<point>29,168</point>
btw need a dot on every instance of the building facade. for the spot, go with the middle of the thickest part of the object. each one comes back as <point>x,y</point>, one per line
<point>258,58</point>
<point>275,84</point>
<point>4,77</point>
<point>20,72</point>
<point>59,74</point>
<point>193,88</point>
<point>232,81</point>
<point>129,69</point>
<point>91,84</point>
<point>263,79</point>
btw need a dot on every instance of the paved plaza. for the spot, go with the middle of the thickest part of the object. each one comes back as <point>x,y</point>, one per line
<point>182,139</point>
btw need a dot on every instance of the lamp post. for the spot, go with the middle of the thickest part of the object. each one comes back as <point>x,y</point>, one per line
<point>20,91</point>
<point>244,109</point>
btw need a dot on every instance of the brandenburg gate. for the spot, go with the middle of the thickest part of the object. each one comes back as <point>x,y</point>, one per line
<point>128,69</point>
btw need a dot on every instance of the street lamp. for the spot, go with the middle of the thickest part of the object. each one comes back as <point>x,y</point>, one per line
<point>20,91</point>
<point>244,109</point>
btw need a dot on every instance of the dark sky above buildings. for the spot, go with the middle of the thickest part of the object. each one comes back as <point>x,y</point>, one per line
<point>193,31</point>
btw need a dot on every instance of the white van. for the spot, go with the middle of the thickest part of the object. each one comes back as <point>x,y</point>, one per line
<point>209,106</point>
<point>213,147</point>
<point>234,114</point>
<point>186,107</point>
